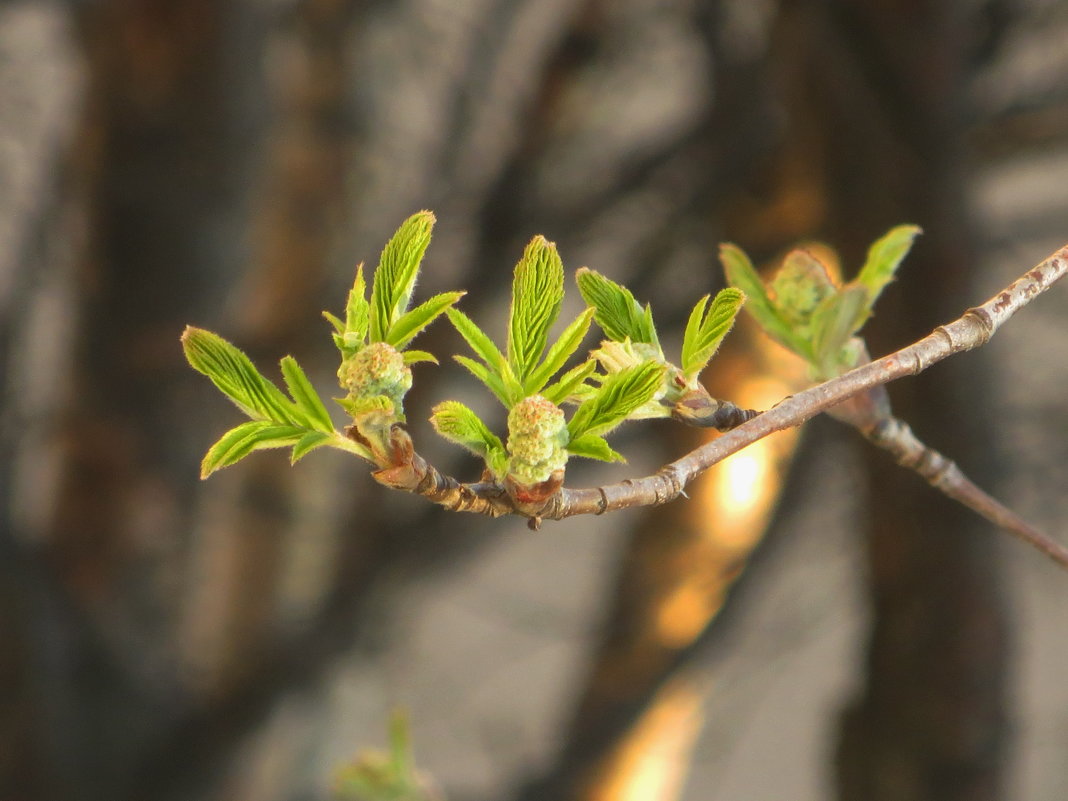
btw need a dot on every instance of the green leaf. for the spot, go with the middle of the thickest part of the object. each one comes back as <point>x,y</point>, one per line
<point>309,442</point>
<point>305,396</point>
<point>412,323</point>
<point>835,320</point>
<point>236,377</point>
<point>742,275</point>
<point>704,332</point>
<point>569,382</point>
<point>339,327</point>
<point>592,446</point>
<point>619,395</point>
<point>478,341</point>
<point>537,293</point>
<point>398,266</point>
<point>414,356</point>
<point>566,344</point>
<point>618,313</point>
<point>491,379</point>
<point>239,442</point>
<point>357,309</point>
<point>884,257</point>
<point>459,424</point>
<point>800,284</point>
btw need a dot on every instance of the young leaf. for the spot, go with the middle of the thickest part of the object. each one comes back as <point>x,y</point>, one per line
<point>592,446</point>
<point>309,442</point>
<point>491,379</point>
<point>569,382</point>
<point>704,332</point>
<point>457,423</point>
<point>835,320</point>
<point>478,340</point>
<point>884,257</point>
<point>397,268</point>
<point>357,309</point>
<point>307,399</point>
<point>239,442</point>
<point>566,344</point>
<point>742,275</point>
<point>619,395</point>
<point>237,378</point>
<point>412,323</point>
<point>413,356</point>
<point>618,314</point>
<point>537,293</point>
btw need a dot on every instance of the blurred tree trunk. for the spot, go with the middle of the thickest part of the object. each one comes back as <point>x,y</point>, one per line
<point>885,84</point>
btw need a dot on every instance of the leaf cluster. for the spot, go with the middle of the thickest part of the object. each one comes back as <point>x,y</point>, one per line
<point>386,316</point>
<point>625,321</point>
<point>807,311</point>
<point>529,364</point>
<point>300,420</point>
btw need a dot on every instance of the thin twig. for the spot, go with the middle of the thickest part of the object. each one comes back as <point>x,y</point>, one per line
<point>896,437</point>
<point>973,329</point>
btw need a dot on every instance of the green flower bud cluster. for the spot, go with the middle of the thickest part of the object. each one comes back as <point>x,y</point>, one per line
<point>537,440</point>
<point>376,369</point>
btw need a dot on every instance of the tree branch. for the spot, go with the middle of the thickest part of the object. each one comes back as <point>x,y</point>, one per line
<point>973,329</point>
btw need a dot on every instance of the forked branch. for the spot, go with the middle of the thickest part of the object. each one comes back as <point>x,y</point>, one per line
<point>973,329</point>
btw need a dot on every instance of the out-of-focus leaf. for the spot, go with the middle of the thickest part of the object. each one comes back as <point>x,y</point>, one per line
<point>884,257</point>
<point>834,322</point>
<point>742,275</point>
<point>799,286</point>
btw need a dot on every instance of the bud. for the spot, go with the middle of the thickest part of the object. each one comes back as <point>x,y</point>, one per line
<point>800,286</point>
<point>377,369</point>
<point>537,440</point>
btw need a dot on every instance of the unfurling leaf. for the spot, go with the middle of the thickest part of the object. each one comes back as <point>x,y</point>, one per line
<point>570,383</point>
<point>592,446</point>
<point>742,275</point>
<point>561,350</point>
<point>617,312</point>
<point>479,341</point>
<point>237,378</point>
<point>412,323</point>
<point>704,332</point>
<point>305,396</point>
<point>458,423</point>
<point>537,293</point>
<point>239,442</point>
<point>834,322</point>
<point>398,266</point>
<point>799,286</point>
<point>492,380</point>
<point>884,257</point>
<point>619,395</point>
